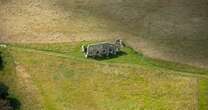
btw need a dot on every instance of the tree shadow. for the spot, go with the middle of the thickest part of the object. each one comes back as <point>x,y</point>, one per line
<point>14,103</point>
<point>121,53</point>
<point>1,62</point>
<point>4,95</point>
<point>3,91</point>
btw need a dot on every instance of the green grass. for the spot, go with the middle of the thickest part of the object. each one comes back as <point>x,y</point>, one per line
<point>72,84</point>
<point>203,91</point>
<point>7,68</point>
<point>173,31</point>
<point>176,29</point>
<point>130,56</point>
<point>17,88</point>
<point>64,79</point>
<point>8,77</point>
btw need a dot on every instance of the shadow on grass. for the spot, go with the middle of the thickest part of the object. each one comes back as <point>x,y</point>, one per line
<point>4,95</point>
<point>121,53</point>
<point>14,103</point>
<point>3,91</point>
<point>1,63</point>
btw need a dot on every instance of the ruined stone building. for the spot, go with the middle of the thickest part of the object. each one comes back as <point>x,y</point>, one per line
<point>103,49</point>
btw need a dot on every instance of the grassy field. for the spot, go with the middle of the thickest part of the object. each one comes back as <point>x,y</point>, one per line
<point>129,56</point>
<point>8,79</point>
<point>58,77</point>
<point>173,30</point>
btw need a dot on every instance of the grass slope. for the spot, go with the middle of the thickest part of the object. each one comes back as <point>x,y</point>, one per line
<point>174,30</point>
<point>203,94</point>
<point>9,80</point>
<point>129,56</point>
<point>57,76</point>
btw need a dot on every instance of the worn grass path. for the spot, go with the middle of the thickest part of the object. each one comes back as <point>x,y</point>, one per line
<point>71,78</point>
<point>181,72</point>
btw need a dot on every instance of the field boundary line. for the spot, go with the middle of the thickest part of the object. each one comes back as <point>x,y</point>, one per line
<point>50,53</point>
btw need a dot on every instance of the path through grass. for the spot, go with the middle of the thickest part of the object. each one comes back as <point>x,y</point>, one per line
<point>66,80</point>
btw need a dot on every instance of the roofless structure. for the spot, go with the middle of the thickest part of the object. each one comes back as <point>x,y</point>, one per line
<point>102,49</point>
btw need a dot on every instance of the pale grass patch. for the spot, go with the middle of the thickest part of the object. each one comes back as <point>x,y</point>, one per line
<point>65,83</point>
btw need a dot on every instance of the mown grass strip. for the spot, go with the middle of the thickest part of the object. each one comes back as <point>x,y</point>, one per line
<point>132,57</point>
<point>75,54</point>
<point>203,94</point>
<point>78,80</point>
